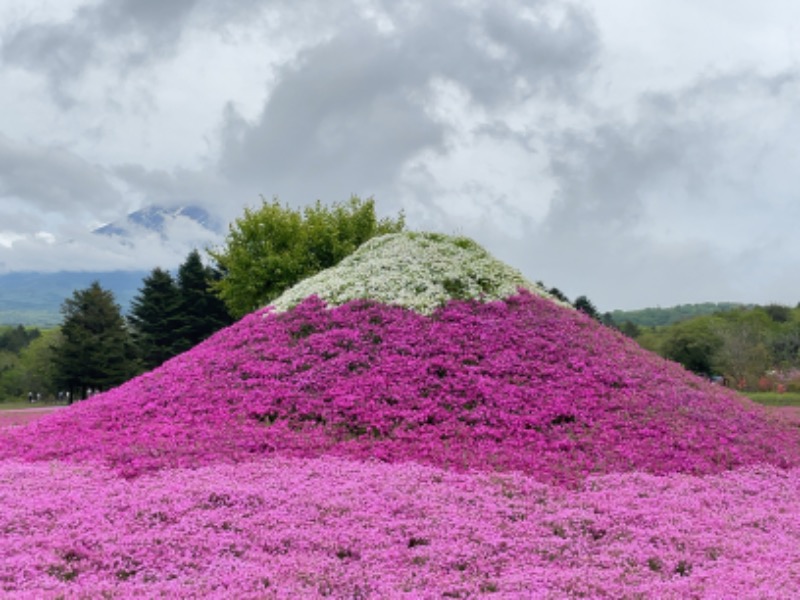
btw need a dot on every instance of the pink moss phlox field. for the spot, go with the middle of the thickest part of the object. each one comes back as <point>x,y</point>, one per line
<point>512,450</point>
<point>332,527</point>
<point>521,384</point>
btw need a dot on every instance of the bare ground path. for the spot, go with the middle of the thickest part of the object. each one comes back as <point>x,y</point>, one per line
<point>21,416</point>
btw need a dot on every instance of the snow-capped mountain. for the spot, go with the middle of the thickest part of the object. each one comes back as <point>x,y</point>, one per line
<point>161,220</point>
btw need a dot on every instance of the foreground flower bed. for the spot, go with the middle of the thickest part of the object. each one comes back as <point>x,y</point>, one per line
<point>517,385</point>
<point>289,528</point>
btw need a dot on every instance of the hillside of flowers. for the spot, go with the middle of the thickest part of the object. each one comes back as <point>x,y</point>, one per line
<point>520,384</point>
<point>470,447</point>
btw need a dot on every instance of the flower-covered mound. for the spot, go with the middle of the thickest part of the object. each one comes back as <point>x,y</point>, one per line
<point>315,528</point>
<point>508,449</point>
<point>420,271</point>
<point>521,384</point>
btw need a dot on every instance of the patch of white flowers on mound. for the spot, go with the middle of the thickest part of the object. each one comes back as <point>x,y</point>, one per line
<point>419,271</point>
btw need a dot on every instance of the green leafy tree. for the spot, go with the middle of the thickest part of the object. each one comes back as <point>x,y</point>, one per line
<point>779,313</point>
<point>9,387</point>
<point>96,350</point>
<point>37,370</point>
<point>200,311</point>
<point>632,330</point>
<point>154,318</point>
<point>270,249</point>
<point>743,355</point>
<point>785,345</point>
<point>694,344</point>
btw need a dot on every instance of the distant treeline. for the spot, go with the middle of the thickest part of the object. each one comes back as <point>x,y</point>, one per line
<point>657,317</point>
<point>748,347</point>
<point>35,299</point>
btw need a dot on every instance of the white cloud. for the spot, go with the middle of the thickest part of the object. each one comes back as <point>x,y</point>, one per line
<point>7,238</point>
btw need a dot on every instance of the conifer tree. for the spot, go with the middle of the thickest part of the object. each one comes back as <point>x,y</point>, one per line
<point>201,313</point>
<point>583,304</point>
<point>155,317</point>
<point>96,351</point>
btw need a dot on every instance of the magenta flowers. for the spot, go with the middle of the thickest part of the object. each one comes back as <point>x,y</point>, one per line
<point>517,385</point>
<point>300,528</point>
<point>515,448</point>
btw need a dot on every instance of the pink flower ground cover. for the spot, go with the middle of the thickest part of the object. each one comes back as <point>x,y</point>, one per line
<point>329,527</point>
<point>517,385</point>
<point>515,449</point>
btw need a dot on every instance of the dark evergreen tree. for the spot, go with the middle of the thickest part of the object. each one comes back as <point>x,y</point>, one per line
<point>155,318</point>
<point>16,338</point>
<point>557,293</point>
<point>607,319</point>
<point>96,350</point>
<point>583,304</point>
<point>201,311</point>
<point>778,312</point>
<point>632,330</point>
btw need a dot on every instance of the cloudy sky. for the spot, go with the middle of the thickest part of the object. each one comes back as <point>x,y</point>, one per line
<point>639,152</point>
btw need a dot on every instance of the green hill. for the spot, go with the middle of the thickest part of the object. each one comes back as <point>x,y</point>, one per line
<point>34,299</point>
<point>655,317</point>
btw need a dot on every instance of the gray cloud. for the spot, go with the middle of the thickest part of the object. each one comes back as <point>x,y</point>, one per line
<point>88,252</point>
<point>52,179</point>
<point>128,33</point>
<point>352,110</point>
<point>602,174</point>
<point>545,50</point>
<point>329,127</point>
<point>602,160</point>
<point>677,203</point>
<point>125,36</point>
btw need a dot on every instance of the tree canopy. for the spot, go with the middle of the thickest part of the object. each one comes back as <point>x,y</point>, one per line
<point>96,350</point>
<point>200,312</point>
<point>751,347</point>
<point>271,248</point>
<point>14,339</point>
<point>30,369</point>
<point>154,317</point>
<point>168,317</point>
<point>695,344</point>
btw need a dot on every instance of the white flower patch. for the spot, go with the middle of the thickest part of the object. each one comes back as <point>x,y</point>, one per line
<point>419,271</point>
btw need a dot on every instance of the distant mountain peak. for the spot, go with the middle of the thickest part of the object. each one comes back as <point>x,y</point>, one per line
<point>156,218</point>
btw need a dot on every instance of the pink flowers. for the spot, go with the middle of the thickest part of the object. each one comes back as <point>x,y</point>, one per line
<point>518,385</point>
<point>338,528</point>
<point>515,448</point>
